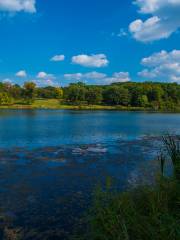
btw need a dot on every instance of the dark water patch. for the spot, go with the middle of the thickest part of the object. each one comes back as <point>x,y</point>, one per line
<point>47,189</point>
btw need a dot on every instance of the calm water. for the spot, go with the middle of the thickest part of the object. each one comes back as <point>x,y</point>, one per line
<point>50,161</point>
<point>54,128</point>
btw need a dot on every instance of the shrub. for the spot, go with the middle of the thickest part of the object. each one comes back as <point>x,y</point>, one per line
<point>5,99</point>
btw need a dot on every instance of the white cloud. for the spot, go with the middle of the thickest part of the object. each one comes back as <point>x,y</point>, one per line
<point>18,6</point>
<point>45,82</point>
<point>95,75</point>
<point>118,77</point>
<point>57,58</point>
<point>153,6</point>
<point>164,20</point>
<point>162,66</point>
<point>7,80</point>
<point>21,73</point>
<point>98,78</point>
<point>44,75</point>
<point>45,79</point>
<point>84,76</point>
<point>73,76</point>
<point>98,60</point>
<point>161,58</point>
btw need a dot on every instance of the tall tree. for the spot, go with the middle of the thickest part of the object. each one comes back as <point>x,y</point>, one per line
<point>116,95</point>
<point>94,95</point>
<point>29,91</point>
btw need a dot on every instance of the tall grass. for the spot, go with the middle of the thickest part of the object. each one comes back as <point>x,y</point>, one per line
<point>171,152</point>
<point>147,212</point>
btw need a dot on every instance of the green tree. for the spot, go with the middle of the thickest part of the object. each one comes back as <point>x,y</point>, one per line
<point>136,91</point>
<point>94,95</point>
<point>75,93</point>
<point>143,101</point>
<point>58,92</point>
<point>172,92</point>
<point>155,94</point>
<point>49,92</point>
<point>16,91</point>
<point>5,99</point>
<point>116,95</point>
<point>29,91</point>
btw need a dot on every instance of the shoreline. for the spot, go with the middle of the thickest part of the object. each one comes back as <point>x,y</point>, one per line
<point>84,107</point>
<point>55,104</point>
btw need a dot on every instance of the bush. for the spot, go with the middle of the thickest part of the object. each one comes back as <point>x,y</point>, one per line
<point>5,99</point>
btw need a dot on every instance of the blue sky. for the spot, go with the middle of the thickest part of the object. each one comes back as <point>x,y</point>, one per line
<point>98,42</point>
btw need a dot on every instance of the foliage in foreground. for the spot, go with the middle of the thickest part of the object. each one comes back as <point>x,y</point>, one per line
<point>146,213</point>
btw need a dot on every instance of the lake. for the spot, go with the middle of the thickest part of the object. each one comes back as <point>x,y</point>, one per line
<point>51,160</point>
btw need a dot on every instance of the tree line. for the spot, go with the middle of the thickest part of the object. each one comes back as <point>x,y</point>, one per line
<point>10,93</point>
<point>129,94</point>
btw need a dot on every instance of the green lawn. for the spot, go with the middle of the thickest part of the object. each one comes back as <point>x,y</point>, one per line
<point>56,104</point>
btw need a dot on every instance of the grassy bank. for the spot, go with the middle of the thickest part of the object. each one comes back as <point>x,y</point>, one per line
<point>145,213</point>
<point>56,104</point>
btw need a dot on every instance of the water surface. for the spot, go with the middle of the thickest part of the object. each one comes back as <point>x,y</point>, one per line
<point>50,161</point>
<point>38,128</point>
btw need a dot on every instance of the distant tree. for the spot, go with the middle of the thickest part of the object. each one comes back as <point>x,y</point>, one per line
<point>136,91</point>
<point>94,95</point>
<point>116,95</point>
<point>7,86</point>
<point>29,91</point>
<point>142,101</point>
<point>16,91</point>
<point>75,92</point>
<point>155,93</point>
<point>49,92</point>
<point>5,99</point>
<point>172,92</point>
<point>147,94</point>
<point>58,92</point>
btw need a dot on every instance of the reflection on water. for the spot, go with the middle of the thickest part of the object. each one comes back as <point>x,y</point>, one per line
<point>50,161</point>
<point>39,128</point>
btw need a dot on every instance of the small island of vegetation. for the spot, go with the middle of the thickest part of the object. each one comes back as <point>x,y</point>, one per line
<point>122,96</point>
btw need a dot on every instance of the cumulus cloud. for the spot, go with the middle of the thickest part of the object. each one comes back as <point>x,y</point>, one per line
<point>162,66</point>
<point>98,60</point>
<point>98,78</point>
<point>45,79</point>
<point>73,76</point>
<point>164,20</point>
<point>18,6</point>
<point>7,80</point>
<point>45,82</point>
<point>85,76</point>
<point>21,73</point>
<point>118,77</point>
<point>44,75</point>
<point>57,58</point>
